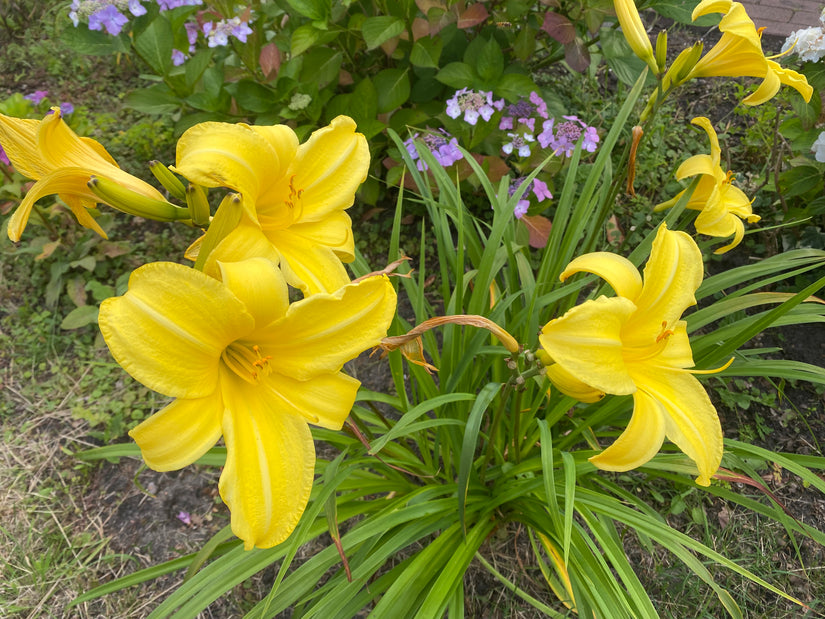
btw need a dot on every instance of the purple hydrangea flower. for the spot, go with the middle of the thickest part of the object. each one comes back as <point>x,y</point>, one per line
<point>37,96</point>
<point>563,137</point>
<point>541,191</point>
<point>66,108</point>
<point>178,57</point>
<point>524,111</point>
<point>136,8</point>
<point>520,142</point>
<point>109,18</point>
<point>192,32</point>
<point>217,33</point>
<point>442,145</point>
<point>473,104</point>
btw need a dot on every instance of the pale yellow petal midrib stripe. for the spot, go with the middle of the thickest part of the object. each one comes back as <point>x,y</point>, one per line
<point>163,321</point>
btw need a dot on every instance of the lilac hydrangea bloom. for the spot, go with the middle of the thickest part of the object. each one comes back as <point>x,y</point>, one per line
<point>136,8</point>
<point>218,33</point>
<point>539,189</point>
<point>178,57</point>
<point>524,111</point>
<point>37,96</point>
<point>66,108</point>
<point>442,145</point>
<point>473,104</point>
<point>109,18</point>
<point>520,142</point>
<point>562,138</point>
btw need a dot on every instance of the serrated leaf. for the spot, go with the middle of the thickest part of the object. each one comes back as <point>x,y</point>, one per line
<point>511,86</point>
<point>303,38</point>
<point>154,45</point>
<point>559,27</point>
<point>456,75</point>
<point>83,41</point>
<point>490,62</point>
<point>254,97</point>
<point>393,88</point>
<point>377,30</point>
<point>426,52</point>
<point>316,10</point>
<point>321,66</point>
<point>80,317</point>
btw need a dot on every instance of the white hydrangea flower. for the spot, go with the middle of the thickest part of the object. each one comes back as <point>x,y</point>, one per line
<point>818,148</point>
<point>810,44</point>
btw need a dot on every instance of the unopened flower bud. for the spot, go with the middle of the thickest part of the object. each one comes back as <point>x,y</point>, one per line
<point>133,203</point>
<point>661,50</point>
<point>167,178</point>
<point>198,204</point>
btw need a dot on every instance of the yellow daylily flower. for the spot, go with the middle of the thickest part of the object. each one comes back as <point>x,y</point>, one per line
<point>722,206</point>
<point>739,54</point>
<point>245,364</point>
<point>634,32</point>
<point>294,195</point>
<point>62,163</point>
<point>635,343</point>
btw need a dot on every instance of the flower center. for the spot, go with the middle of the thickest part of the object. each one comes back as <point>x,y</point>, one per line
<point>247,362</point>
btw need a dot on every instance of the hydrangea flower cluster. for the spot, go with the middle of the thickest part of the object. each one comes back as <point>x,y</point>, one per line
<point>562,138</point>
<point>473,105</point>
<point>539,189</point>
<point>217,33</point>
<point>808,43</point>
<point>524,112</point>
<point>442,145</point>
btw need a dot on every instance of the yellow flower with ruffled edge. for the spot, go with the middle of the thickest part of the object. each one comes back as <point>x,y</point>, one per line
<point>739,54</point>
<point>635,343</point>
<point>245,364</point>
<point>723,206</point>
<point>294,195</point>
<point>62,163</point>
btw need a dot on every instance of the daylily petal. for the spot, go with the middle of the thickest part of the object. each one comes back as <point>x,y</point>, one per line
<point>18,137</point>
<point>671,277</point>
<point>691,421</point>
<point>322,332</point>
<point>215,154</point>
<point>170,328</point>
<point>69,183</point>
<point>324,400</point>
<point>616,270</point>
<point>767,89</point>
<point>246,241</point>
<point>677,352</point>
<point>269,468</point>
<point>587,342</point>
<point>307,266</point>
<point>791,78</point>
<point>333,231</point>
<point>640,441</point>
<point>327,170</point>
<point>282,139</point>
<point>259,285</point>
<point>180,433</point>
<point>705,7</point>
<point>715,151</point>
<point>698,164</point>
